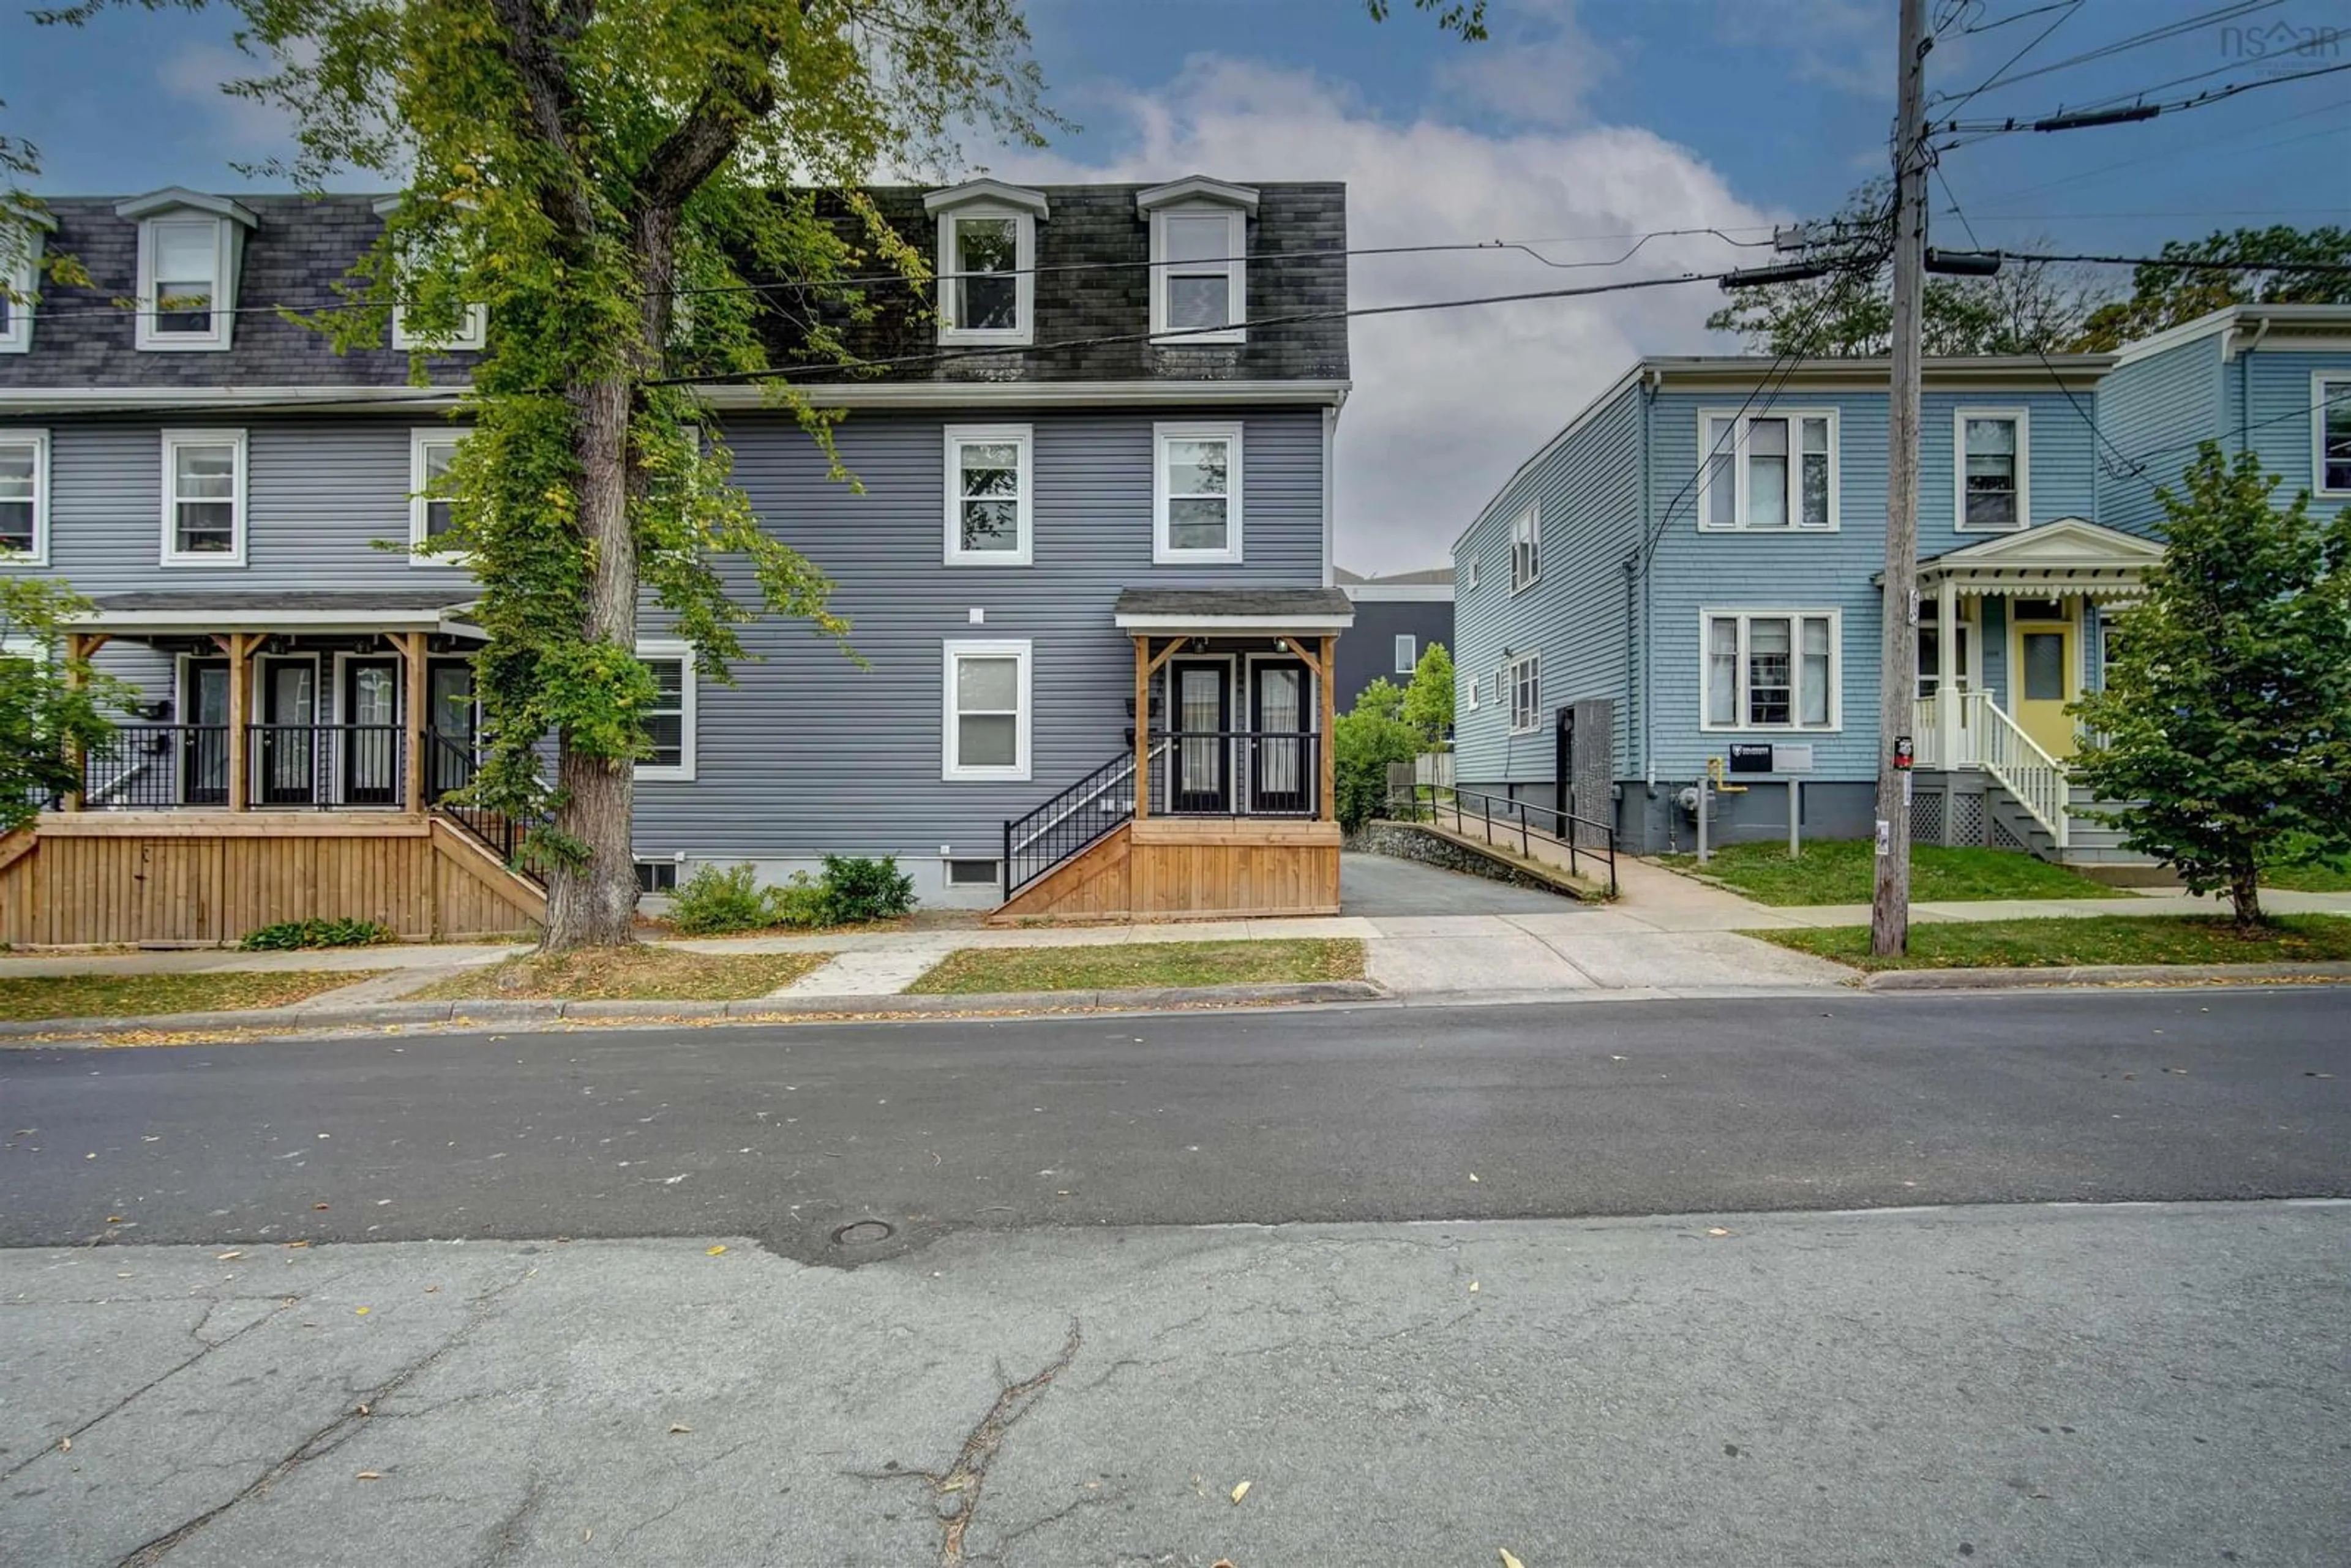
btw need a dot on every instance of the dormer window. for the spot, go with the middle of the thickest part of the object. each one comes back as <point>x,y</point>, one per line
<point>20,280</point>
<point>189,247</point>
<point>987,261</point>
<point>1199,267</point>
<point>469,334</point>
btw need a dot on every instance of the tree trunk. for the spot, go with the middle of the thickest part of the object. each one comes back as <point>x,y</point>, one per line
<point>2245,892</point>
<point>595,905</point>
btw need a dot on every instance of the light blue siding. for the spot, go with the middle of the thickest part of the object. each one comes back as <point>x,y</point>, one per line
<point>2154,410</point>
<point>2279,395</point>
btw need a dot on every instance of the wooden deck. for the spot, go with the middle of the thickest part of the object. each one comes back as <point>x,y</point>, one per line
<point>1190,868</point>
<point>204,878</point>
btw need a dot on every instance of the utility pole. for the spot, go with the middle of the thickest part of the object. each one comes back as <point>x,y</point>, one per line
<point>1889,915</point>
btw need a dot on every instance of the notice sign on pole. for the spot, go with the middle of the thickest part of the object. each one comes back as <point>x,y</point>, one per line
<point>1764,757</point>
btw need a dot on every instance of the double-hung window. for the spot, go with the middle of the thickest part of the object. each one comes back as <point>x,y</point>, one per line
<point>204,498</point>
<point>989,501</point>
<point>1992,446</point>
<point>1525,679</point>
<point>1198,274</point>
<point>1772,669</point>
<point>25,498</point>
<point>1526,545</point>
<point>2330,402</point>
<point>986,733</point>
<point>20,282</point>
<point>1196,493</point>
<point>669,719</point>
<point>987,261</point>
<point>188,246</point>
<point>429,505</point>
<point>1407,653</point>
<point>1774,473</point>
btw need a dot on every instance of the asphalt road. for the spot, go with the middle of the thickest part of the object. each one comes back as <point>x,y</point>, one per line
<point>787,1134</point>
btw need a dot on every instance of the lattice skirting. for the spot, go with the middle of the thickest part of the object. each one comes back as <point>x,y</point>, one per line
<point>1927,819</point>
<point>1964,820</point>
<point>2001,838</point>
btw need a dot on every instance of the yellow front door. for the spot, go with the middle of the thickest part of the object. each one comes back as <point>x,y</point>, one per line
<point>2044,681</point>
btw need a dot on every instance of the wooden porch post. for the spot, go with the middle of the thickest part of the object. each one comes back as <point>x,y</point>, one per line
<point>240,646</point>
<point>1947,674</point>
<point>77,650</point>
<point>1327,680</point>
<point>1142,727</point>
<point>413,653</point>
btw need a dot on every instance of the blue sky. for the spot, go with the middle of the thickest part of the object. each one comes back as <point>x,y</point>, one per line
<point>1577,122</point>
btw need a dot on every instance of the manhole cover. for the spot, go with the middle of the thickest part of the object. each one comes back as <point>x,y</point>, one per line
<point>862,1233</point>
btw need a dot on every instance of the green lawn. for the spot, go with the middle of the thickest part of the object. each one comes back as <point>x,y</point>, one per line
<point>974,971</point>
<point>30,996</point>
<point>627,974</point>
<point>2310,876</point>
<point>1840,870</point>
<point>2057,942</point>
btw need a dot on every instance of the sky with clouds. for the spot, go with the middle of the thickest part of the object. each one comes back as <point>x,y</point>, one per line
<point>1581,125</point>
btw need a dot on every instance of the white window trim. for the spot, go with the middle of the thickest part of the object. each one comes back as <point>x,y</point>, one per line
<point>1024,437</point>
<point>1510,692</point>
<point>951,766</point>
<point>1745,613</point>
<point>226,237</point>
<point>1794,416</point>
<point>2319,381</point>
<point>1407,653</point>
<point>471,338</point>
<point>1162,552</point>
<point>1473,571</point>
<point>1473,693</point>
<point>671,648</point>
<point>240,501</point>
<point>24,283</point>
<point>1024,261</point>
<point>1531,515</point>
<point>420,438</point>
<point>39,441</point>
<point>1959,417</point>
<point>1236,269</point>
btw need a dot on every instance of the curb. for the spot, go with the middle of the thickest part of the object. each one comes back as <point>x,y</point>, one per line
<point>2098,974</point>
<point>528,1013</point>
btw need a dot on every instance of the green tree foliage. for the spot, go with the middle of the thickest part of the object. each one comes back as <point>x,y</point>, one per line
<point>1364,740</point>
<point>1381,698</point>
<point>51,707</point>
<point>1429,701</point>
<point>2184,285</point>
<point>2227,708</point>
<point>2029,306</point>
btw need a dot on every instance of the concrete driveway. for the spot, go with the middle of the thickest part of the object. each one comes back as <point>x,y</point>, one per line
<point>1377,885</point>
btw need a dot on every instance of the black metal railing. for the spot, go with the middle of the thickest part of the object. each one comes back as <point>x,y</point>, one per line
<point>450,767</point>
<point>1502,821</point>
<point>1069,822</point>
<point>324,766</point>
<point>157,766</point>
<point>1237,773</point>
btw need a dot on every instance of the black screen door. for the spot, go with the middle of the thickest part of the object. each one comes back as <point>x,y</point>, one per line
<point>204,750</point>
<point>1203,760</point>
<point>1278,754</point>
<point>290,738</point>
<point>371,733</point>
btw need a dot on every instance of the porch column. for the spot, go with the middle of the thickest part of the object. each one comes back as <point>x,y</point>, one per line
<point>1141,727</point>
<point>1947,668</point>
<point>413,653</point>
<point>239,646</point>
<point>77,650</point>
<point>1328,746</point>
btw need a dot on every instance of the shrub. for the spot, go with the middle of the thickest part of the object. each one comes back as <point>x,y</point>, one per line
<point>286,935</point>
<point>857,889</point>
<point>799,903</point>
<point>1366,742</point>
<point>715,901</point>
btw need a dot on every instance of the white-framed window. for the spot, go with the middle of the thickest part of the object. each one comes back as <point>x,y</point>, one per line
<point>1772,669</point>
<point>1473,693</point>
<point>1199,273</point>
<point>657,873</point>
<point>20,284</point>
<point>1991,451</point>
<point>1473,571</point>
<point>987,710</point>
<point>987,275</point>
<point>471,335</point>
<point>1525,678</point>
<point>1407,653</point>
<point>670,721</point>
<point>990,504</point>
<point>429,451</point>
<point>204,498</point>
<point>1196,493</point>
<point>187,264</point>
<point>2330,434</point>
<point>1526,549</point>
<point>1769,473</point>
<point>25,498</point>
<point>973,873</point>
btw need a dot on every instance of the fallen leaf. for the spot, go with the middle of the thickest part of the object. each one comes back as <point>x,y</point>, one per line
<point>368,1476</point>
<point>677,1426</point>
<point>1222,1562</point>
<point>359,1312</point>
<point>1473,1287</point>
<point>290,1245</point>
<point>65,1445</point>
<point>114,1219</point>
<point>226,1257</point>
<point>1508,1561</point>
<point>1717,1230</point>
<point>1240,1491</point>
<point>586,1536</point>
<point>713,1251</point>
<point>318,1208</point>
<point>432,1290</point>
<point>362,1410</point>
<point>1473,1176</point>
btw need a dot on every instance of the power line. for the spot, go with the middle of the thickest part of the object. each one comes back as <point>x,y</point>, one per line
<point>2131,41</point>
<point>2178,152</point>
<point>1992,80</point>
<point>2017,16</point>
<point>2064,119</point>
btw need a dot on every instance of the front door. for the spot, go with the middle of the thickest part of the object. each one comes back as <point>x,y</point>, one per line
<point>288,734</point>
<point>1279,758</point>
<point>371,732</point>
<point>2044,680</point>
<point>1203,761</point>
<point>204,747</point>
<point>449,726</point>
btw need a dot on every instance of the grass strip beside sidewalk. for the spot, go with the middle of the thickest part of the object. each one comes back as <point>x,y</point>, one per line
<point>1843,871</point>
<point>627,974</point>
<point>2060,943</point>
<point>28,998</point>
<point>981,971</point>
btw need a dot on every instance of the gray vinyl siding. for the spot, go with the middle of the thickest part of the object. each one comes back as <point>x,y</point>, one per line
<point>2154,410</point>
<point>1572,617</point>
<point>1367,652</point>
<point>318,493</point>
<point>811,753</point>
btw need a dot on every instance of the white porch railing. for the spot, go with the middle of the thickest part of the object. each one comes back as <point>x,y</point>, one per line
<point>1984,735</point>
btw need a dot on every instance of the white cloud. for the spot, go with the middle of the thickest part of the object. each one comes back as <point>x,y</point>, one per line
<point>245,131</point>
<point>1536,68</point>
<point>1447,404</point>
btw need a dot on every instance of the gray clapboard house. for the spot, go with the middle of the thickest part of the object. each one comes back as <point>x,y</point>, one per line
<point>1097,479</point>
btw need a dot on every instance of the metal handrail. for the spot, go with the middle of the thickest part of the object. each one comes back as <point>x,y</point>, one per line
<point>1072,820</point>
<point>141,766</point>
<point>502,835</point>
<point>1566,829</point>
